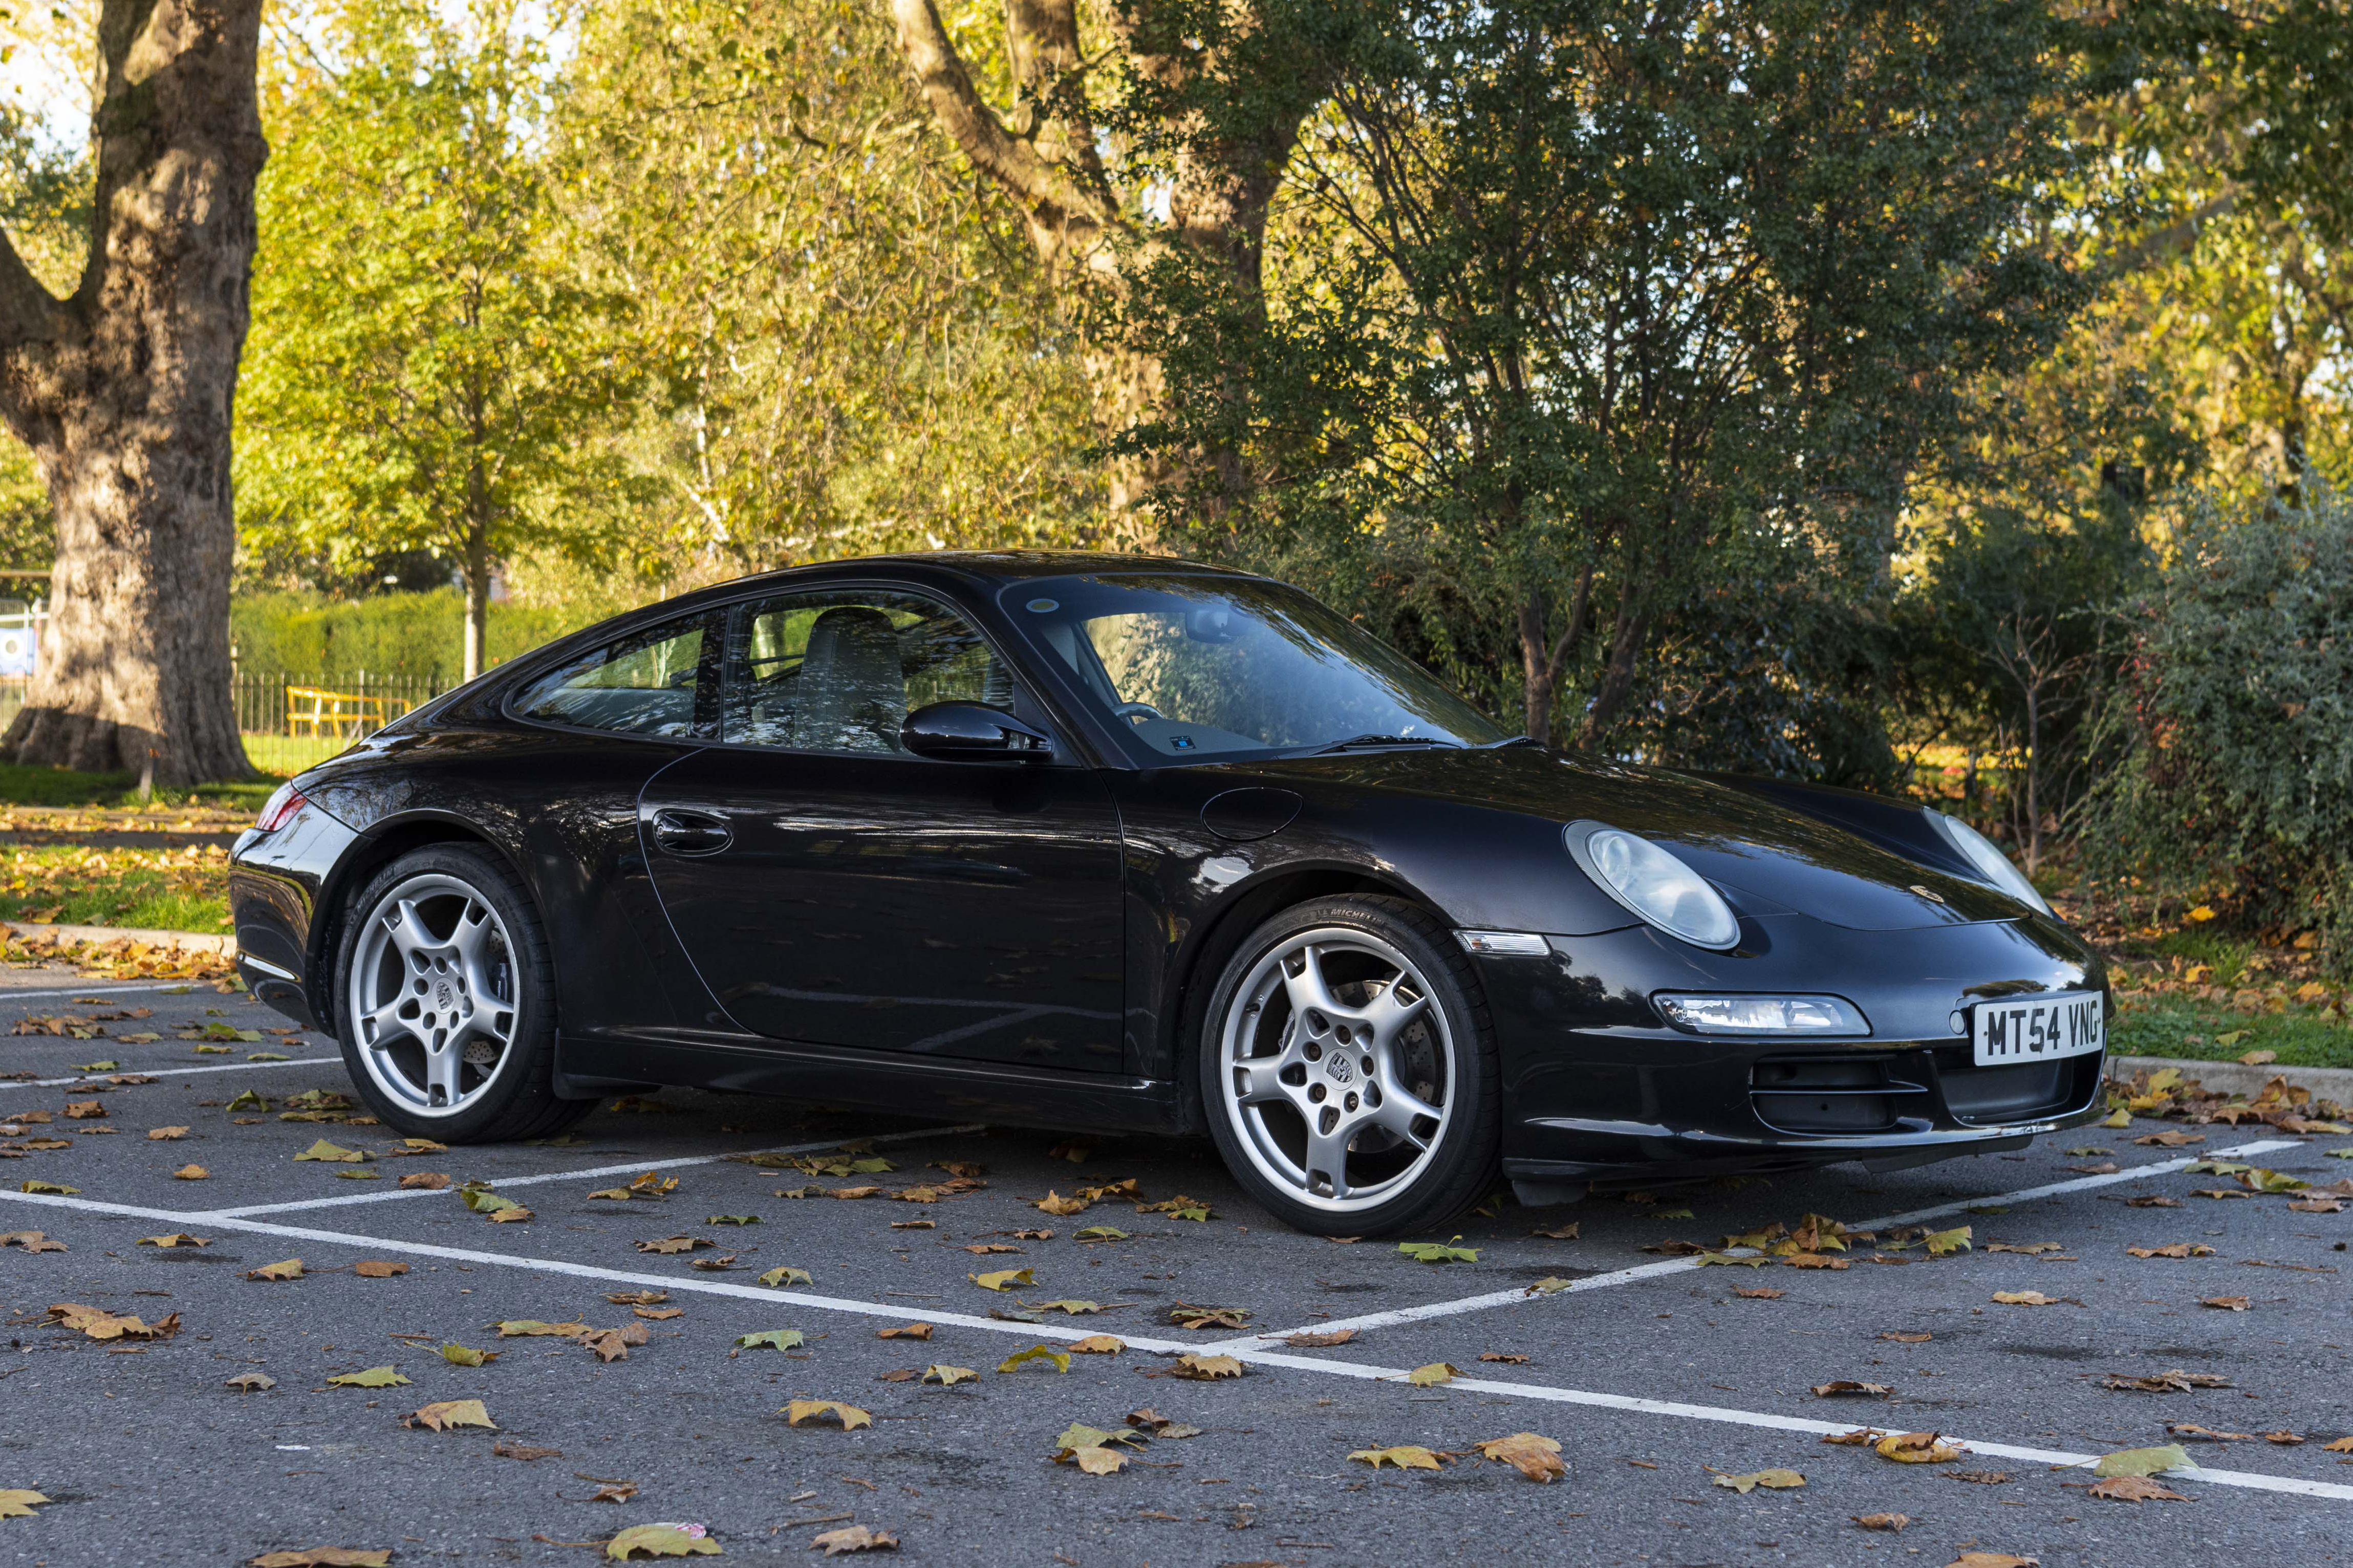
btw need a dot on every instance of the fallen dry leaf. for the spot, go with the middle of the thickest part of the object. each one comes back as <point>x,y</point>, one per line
<point>1431,1375</point>
<point>1996,1559</point>
<point>2033,1298</point>
<point>2144,1461</point>
<point>288,1269</point>
<point>1510,1358</point>
<point>324,1557</point>
<point>854,1538</point>
<point>425,1181</point>
<point>1758,1292</point>
<point>444,1414</point>
<point>190,1172</point>
<point>250,1382</point>
<point>507,1448</point>
<point>1060,1207</point>
<point>909,1332</point>
<point>1917,1448</point>
<point>658,1314</point>
<point>16,1502</point>
<point>1309,1340</point>
<point>1776,1479</point>
<point>1532,1454</point>
<point>1186,1315</point>
<point>374,1377</point>
<point>672,1244</point>
<point>377,1269</point>
<point>1892,1521</point>
<point>31,1241</point>
<point>949,1376</point>
<point>2226,1303</point>
<point>1003,1278</point>
<point>2134,1489</point>
<point>1405,1457</point>
<point>1160,1425</point>
<point>1098,1345</point>
<point>2173,1382</point>
<point>1559,1233</point>
<point>662,1540</point>
<point>851,1417</point>
<point>1848,1387</point>
<point>161,1134</point>
<point>1907,1336</point>
<point>2173,1249</point>
<point>1205,1368</point>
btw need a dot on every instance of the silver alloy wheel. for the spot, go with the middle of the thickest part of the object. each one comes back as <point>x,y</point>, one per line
<point>1338,1068</point>
<point>432,995</point>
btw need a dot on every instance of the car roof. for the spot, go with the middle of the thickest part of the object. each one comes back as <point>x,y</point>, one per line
<point>979,567</point>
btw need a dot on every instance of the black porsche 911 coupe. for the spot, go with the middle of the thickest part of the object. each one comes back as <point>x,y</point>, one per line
<point>1114,843</point>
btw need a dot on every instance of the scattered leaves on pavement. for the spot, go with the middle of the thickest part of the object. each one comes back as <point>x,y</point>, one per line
<point>1433,1375</point>
<point>1060,1357</point>
<point>1776,1479</point>
<point>1098,1345</point>
<point>377,1269</point>
<point>1003,1278</point>
<point>1438,1251</point>
<point>1186,1315</point>
<point>1308,1339</point>
<point>908,1331</point>
<point>465,1355</point>
<point>777,1279</point>
<point>287,1269</point>
<point>2226,1303</point>
<point>2134,1489</point>
<point>854,1538</point>
<point>949,1376</point>
<point>1848,1387</point>
<point>2145,1461</point>
<point>1889,1521</point>
<point>662,1541</point>
<point>250,1382</point>
<point>772,1339</point>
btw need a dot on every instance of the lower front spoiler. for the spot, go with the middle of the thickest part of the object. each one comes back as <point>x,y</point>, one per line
<point>274,987</point>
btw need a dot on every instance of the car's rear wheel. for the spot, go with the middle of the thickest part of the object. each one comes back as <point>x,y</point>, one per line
<point>1349,1071</point>
<point>447,1002</point>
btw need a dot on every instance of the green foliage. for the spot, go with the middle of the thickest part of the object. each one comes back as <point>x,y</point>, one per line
<point>1578,327</point>
<point>305,635</point>
<point>854,350</point>
<point>2232,733</point>
<point>426,356</point>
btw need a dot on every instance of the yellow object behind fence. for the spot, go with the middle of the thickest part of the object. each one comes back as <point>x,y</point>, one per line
<point>346,714</point>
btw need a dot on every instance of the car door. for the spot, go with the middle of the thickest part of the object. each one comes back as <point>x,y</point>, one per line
<point>833,889</point>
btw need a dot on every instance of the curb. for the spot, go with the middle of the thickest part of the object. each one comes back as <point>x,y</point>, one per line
<point>2236,1078</point>
<point>184,940</point>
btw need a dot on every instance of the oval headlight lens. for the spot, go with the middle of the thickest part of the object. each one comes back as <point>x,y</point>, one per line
<point>1992,865</point>
<point>1652,883</point>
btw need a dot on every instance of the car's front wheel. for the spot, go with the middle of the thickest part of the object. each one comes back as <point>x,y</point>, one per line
<point>447,1002</point>
<point>1349,1071</point>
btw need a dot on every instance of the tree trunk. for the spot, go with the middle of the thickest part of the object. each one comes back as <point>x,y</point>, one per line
<point>477,602</point>
<point>1618,673</point>
<point>124,392</point>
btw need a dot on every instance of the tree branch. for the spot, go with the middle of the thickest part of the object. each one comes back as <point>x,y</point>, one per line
<point>1050,199</point>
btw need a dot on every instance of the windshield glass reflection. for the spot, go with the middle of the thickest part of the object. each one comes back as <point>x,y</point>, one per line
<point>1213,664</point>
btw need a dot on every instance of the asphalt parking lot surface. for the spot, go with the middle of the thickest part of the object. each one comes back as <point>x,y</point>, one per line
<point>1657,1375</point>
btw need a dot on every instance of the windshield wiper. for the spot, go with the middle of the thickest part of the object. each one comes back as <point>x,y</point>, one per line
<point>1355,741</point>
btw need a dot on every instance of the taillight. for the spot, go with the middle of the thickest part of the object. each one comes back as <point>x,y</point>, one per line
<point>279,808</point>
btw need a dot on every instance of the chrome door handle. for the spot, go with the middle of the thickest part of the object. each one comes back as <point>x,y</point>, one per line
<point>691,832</point>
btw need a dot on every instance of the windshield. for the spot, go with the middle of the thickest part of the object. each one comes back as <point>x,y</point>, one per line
<point>1194,666</point>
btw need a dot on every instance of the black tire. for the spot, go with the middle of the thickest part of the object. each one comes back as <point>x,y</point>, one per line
<point>517,1099</point>
<point>1459,1165</point>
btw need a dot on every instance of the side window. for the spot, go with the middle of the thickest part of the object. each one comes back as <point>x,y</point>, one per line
<point>839,671</point>
<point>647,684</point>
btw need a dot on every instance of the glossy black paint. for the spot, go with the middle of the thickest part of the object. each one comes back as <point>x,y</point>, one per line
<point>1030,941</point>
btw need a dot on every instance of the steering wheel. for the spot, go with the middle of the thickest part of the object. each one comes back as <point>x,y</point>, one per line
<point>1138,710</point>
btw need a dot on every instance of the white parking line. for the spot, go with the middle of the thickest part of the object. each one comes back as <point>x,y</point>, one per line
<point>1519,1295</point>
<point>8,996</point>
<point>172,1069</point>
<point>1357,1370</point>
<point>590,1172</point>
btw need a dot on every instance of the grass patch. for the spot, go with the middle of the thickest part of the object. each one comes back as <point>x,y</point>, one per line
<point>67,884</point>
<point>62,786</point>
<point>2150,1026</point>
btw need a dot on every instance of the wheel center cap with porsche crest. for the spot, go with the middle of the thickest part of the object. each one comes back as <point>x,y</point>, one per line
<point>441,993</point>
<point>1337,1066</point>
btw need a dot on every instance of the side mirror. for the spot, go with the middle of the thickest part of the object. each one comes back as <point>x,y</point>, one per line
<point>973,732</point>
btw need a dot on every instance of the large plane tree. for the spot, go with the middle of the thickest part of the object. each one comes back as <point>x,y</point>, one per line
<point>123,390</point>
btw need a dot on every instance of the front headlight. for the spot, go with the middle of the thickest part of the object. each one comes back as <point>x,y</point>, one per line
<point>1653,884</point>
<point>1992,865</point>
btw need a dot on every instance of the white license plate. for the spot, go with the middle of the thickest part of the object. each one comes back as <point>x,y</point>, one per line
<point>2039,1029</point>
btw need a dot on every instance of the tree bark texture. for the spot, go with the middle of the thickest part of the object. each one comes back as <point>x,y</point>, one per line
<point>1042,154</point>
<point>124,392</point>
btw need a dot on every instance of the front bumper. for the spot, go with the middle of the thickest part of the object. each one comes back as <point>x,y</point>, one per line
<point>1595,1086</point>
<point>275,880</point>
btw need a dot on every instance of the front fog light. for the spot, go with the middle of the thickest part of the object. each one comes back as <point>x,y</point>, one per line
<point>1761,1015</point>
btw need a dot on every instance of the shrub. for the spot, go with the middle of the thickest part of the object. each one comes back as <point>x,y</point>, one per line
<point>2230,739</point>
<point>420,635</point>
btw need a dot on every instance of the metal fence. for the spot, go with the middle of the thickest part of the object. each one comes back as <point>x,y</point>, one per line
<point>282,702</point>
